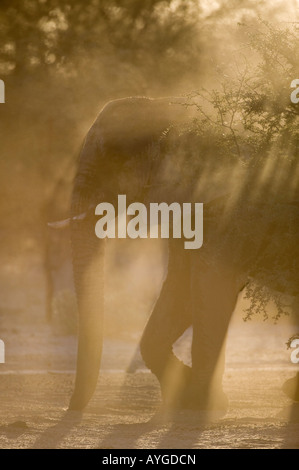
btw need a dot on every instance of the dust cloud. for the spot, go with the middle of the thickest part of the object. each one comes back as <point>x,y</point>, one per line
<point>231,63</point>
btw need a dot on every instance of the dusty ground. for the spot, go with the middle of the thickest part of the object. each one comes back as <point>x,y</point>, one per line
<point>37,379</point>
<point>125,413</point>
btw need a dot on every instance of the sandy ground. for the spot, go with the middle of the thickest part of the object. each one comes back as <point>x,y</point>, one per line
<point>124,414</point>
<point>37,378</point>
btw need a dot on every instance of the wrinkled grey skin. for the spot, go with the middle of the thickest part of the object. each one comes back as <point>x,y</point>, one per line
<point>121,155</point>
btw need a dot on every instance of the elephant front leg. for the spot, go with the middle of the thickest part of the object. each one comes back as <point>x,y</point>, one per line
<point>214,294</point>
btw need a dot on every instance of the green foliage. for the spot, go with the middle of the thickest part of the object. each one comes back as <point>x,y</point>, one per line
<point>252,111</point>
<point>66,37</point>
<point>254,123</point>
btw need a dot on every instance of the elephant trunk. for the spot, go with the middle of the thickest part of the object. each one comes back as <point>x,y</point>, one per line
<point>88,265</point>
<point>88,269</point>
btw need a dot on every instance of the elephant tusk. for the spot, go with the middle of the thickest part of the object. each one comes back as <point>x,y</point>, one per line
<point>66,222</point>
<point>59,224</point>
<point>80,216</point>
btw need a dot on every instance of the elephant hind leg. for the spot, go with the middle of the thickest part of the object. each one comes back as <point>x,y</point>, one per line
<point>156,350</point>
<point>170,318</point>
<point>214,296</point>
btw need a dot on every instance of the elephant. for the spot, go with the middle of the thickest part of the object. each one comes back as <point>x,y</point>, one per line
<point>124,152</point>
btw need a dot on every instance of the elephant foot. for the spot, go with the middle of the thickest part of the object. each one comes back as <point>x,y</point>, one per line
<point>185,416</point>
<point>291,388</point>
<point>80,399</point>
<point>77,403</point>
<point>190,396</point>
<point>174,384</point>
<point>204,399</point>
<point>194,407</point>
